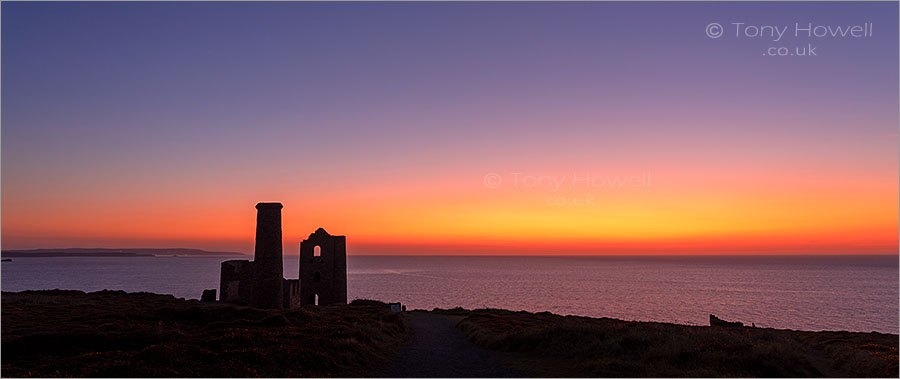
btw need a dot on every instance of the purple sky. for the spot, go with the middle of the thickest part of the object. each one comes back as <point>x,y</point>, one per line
<point>141,104</point>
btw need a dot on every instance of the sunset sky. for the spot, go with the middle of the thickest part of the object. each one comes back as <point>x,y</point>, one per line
<point>450,128</point>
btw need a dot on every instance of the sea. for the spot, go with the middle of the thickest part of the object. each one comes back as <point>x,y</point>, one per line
<point>853,293</point>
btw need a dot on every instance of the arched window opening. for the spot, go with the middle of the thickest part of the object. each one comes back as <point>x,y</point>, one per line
<point>317,251</point>
<point>316,300</point>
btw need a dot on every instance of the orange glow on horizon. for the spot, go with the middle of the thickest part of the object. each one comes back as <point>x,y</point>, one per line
<point>459,216</point>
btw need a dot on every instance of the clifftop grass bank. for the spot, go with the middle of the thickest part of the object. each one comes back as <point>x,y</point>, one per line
<point>113,333</point>
<point>549,345</point>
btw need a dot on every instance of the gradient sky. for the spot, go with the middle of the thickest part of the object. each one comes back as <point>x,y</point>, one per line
<point>163,124</point>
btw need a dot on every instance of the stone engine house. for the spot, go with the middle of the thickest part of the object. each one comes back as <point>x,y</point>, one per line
<point>323,269</point>
<point>260,283</point>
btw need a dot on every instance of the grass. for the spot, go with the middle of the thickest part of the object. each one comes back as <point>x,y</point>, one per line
<point>113,333</point>
<point>549,345</point>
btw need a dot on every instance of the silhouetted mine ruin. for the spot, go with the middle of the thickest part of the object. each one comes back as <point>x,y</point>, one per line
<point>260,283</point>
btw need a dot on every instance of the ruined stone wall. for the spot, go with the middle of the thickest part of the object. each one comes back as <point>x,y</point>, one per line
<point>236,282</point>
<point>260,283</point>
<point>323,276</point>
<point>291,290</point>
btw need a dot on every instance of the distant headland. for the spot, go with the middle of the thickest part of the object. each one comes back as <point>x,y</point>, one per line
<point>99,252</point>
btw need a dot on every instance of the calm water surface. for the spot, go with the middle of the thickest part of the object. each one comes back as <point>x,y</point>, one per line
<point>858,293</point>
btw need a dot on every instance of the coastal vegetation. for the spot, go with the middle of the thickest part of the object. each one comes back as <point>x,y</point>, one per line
<point>117,334</point>
<point>112,333</point>
<point>549,345</point>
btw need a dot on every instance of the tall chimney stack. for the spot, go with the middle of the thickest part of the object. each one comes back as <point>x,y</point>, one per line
<point>268,272</point>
